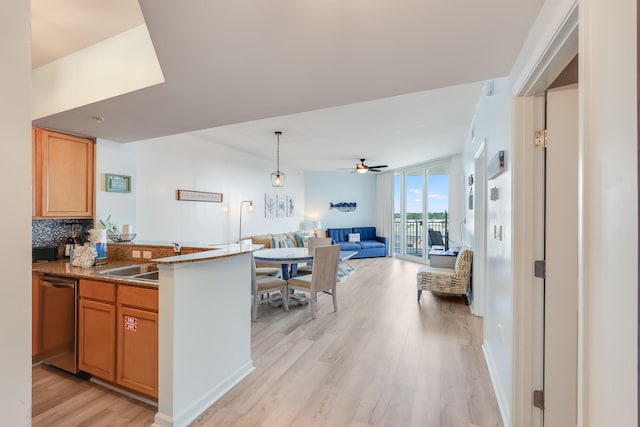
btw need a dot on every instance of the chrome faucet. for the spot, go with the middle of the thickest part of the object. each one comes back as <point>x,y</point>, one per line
<point>177,248</point>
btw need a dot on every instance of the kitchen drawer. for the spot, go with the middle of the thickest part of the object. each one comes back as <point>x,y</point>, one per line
<point>102,291</point>
<point>133,296</point>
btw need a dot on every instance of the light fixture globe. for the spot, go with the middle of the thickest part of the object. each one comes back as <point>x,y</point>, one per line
<point>278,177</point>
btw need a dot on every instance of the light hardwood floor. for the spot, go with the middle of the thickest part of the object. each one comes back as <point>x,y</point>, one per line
<point>381,360</point>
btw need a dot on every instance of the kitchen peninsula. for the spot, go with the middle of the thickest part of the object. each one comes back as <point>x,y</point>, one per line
<point>204,328</point>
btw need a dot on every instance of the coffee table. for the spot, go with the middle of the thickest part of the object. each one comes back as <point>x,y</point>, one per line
<point>345,269</point>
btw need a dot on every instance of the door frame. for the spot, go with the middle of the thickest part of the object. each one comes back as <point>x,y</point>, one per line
<point>478,296</point>
<point>551,46</point>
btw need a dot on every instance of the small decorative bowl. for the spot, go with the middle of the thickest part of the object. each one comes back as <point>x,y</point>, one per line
<point>117,236</point>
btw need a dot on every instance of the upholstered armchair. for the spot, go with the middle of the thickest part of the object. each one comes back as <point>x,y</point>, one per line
<point>447,281</point>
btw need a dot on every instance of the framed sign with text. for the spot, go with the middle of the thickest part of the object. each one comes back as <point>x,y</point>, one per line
<point>118,183</point>
<point>198,196</point>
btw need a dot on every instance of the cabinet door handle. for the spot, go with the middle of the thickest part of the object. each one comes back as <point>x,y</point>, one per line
<point>57,285</point>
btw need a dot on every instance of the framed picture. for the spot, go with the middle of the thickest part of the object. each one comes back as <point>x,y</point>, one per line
<point>291,206</point>
<point>496,165</point>
<point>198,196</point>
<point>281,206</point>
<point>269,205</point>
<point>118,183</point>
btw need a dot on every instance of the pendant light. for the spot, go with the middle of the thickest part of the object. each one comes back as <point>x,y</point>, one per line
<point>277,177</point>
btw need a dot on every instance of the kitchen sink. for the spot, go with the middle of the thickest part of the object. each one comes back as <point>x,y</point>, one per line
<point>152,275</point>
<point>139,271</point>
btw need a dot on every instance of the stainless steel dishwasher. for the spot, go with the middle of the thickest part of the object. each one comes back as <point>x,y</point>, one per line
<point>57,317</point>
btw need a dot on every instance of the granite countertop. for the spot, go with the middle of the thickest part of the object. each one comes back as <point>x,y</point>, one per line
<point>216,251</point>
<point>64,268</point>
<point>167,244</point>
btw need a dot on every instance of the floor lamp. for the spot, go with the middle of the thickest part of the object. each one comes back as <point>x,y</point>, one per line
<point>250,209</point>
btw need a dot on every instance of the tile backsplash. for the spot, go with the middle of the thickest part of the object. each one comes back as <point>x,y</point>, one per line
<point>54,232</point>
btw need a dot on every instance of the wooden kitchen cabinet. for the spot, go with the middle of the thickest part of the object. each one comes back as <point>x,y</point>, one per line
<point>97,329</point>
<point>137,334</point>
<point>118,334</point>
<point>35,310</point>
<point>63,175</point>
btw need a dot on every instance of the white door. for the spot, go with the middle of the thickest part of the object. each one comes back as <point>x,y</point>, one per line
<point>561,256</point>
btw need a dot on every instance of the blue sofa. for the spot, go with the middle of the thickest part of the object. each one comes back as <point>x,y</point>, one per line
<point>369,245</point>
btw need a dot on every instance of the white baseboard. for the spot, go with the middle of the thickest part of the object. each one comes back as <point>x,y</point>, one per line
<point>208,399</point>
<point>503,401</point>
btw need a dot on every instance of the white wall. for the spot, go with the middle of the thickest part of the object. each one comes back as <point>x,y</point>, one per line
<point>184,162</point>
<point>121,64</point>
<point>323,188</point>
<point>15,173</point>
<point>456,198</point>
<point>115,158</point>
<point>492,123</point>
<point>609,232</point>
<point>158,167</point>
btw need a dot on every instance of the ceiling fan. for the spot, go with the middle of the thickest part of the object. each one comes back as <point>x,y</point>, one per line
<point>362,168</point>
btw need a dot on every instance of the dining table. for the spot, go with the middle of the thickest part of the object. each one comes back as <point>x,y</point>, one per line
<point>288,258</point>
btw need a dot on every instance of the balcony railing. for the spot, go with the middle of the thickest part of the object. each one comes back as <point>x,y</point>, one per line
<point>415,234</point>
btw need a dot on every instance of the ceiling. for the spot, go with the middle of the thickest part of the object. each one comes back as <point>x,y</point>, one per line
<point>61,27</point>
<point>393,82</point>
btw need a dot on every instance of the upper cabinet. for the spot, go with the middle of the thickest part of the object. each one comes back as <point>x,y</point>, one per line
<point>63,169</point>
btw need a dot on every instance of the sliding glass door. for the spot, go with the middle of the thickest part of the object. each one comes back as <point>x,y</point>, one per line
<point>414,185</point>
<point>421,198</point>
<point>438,205</point>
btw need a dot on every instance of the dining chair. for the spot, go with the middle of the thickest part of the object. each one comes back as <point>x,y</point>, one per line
<point>269,271</point>
<point>435,238</point>
<point>262,270</point>
<point>314,242</point>
<point>265,285</point>
<point>322,278</point>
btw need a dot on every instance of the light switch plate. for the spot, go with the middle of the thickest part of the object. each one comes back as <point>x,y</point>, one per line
<point>135,254</point>
<point>146,254</point>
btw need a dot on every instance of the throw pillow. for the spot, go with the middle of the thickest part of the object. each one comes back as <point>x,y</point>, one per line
<point>275,243</point>
<point>292,237</point>
<point>301,237</point>
<point>286,243</point>
<point>354,237</point>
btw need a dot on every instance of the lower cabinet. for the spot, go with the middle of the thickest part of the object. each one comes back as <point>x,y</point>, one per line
<point>138,350</point>
<point>35,311</point>
<point>137,362</point>
<point>118,334</point>
<point>97,338</point>
<point>97,329</point>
